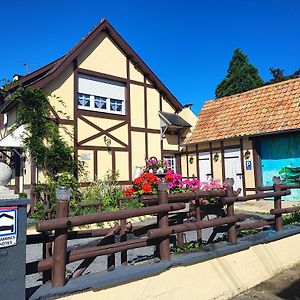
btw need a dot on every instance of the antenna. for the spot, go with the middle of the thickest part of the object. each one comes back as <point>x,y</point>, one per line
<point>26,65</point>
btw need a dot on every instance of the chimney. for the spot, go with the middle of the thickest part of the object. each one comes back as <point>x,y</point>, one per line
<point>16,77</point>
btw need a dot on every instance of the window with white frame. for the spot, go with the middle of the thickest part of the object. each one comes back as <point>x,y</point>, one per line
<point>101,95</point>
<point>172,161</point>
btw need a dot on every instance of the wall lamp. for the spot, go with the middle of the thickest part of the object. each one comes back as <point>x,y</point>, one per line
<point>107,141</point>
<point>247,154</point>
<point>191,160</point>
<point>216,156</point>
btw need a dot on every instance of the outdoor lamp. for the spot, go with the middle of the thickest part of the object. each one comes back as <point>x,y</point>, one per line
<point>63,193</point>
<point>216,156</point>
<point>247,154</point>
<point>191,160</point>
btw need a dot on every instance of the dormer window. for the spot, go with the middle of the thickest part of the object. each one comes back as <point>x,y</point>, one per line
<point>101,95</point>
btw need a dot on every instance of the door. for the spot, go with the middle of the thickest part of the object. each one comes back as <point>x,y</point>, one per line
<point>233,167</point>
<point>205,172</point>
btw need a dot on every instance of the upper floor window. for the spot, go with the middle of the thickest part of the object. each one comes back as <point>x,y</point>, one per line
<point>101,95</point>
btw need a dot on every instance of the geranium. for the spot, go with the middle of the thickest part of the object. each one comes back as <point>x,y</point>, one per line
<point>146,187</point>
<point>129,192</point>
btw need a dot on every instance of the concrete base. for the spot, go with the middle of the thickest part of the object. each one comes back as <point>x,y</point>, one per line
<point>219,272</point>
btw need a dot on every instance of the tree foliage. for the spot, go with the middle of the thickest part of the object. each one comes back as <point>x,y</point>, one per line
<point>278,75</point>
<point>241,77</point>
<point>42,139</point>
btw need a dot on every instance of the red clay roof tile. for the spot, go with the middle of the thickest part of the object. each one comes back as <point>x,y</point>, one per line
<point>267,109</point>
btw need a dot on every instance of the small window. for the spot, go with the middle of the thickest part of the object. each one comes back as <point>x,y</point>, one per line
<point>100,102</point>
<point>172,162</point>
<point>84,100</point>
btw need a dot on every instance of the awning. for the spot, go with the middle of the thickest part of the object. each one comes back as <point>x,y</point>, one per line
<point>14,139</point>
<point>172,122</point>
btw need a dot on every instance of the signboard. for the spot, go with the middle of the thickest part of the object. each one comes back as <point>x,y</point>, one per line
<point>248,165</point>
<point>8,226</point>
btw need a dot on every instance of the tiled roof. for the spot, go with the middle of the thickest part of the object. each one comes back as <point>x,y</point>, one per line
<point>264,110</point>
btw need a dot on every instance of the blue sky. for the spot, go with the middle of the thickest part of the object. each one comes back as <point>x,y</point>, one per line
<point>188,44</point>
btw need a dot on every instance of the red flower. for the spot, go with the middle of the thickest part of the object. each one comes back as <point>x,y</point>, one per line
<point>128,192</point>
<point>146,187</point>
<point>137,181</point>
<point>168,177</point>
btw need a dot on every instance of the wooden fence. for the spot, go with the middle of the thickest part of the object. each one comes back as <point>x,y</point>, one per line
<point>171,220</point>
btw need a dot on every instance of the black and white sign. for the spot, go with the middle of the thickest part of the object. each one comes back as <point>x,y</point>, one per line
<point>8,226</point>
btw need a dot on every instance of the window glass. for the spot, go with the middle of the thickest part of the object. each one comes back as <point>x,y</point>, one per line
<point>100,102</point>
<point>116,105</point>
<point>84,100</point>
<point>172,162</point>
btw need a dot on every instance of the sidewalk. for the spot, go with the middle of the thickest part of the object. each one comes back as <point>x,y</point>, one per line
<point>261,206</point>
<point>285,285</point>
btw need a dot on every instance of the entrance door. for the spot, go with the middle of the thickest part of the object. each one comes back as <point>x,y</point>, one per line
<point>233,167</point>
<point>204,166</point>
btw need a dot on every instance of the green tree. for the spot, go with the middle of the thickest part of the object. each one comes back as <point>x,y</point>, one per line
<point>278,75</point>
<point>241,77</point>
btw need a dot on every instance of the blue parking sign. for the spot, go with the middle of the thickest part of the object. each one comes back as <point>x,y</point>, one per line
<point>248,165</point>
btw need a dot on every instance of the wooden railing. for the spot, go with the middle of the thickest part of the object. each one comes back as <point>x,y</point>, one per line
<point>170,220</point>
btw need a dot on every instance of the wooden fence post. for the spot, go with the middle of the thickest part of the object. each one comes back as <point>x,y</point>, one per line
<point>232,239</point>
<point>60,246</point>
<point>163,221</point>
<point>123,236</point>
<point>277,203</point>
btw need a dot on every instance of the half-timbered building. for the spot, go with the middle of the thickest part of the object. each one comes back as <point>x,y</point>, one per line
<point>117,109</point>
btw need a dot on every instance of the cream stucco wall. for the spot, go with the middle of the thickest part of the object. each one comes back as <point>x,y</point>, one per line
<point>102,55</point>
<point>138,151</point>
<point>137,105</point>
<point>154,145</point>
<point>104,162</point>
<point>153,108</point>
<point>88,164</point>
<point>219,278</point>
<point>61,93</point>
<point>135,74</point>
<point>122,159</point>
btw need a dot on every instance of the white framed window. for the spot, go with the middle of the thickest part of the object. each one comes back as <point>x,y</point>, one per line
<point>172,161</point>
<point>101,95</point>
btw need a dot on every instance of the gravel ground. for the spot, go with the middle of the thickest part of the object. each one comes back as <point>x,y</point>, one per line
<point>34,252</point>
<point>285,285</point>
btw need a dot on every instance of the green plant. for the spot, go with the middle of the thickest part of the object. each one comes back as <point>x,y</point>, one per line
<point>48,150</point>
<point>189,246</point>
<point>107,191</point>
<point>47,199</point>
<point>292,218</point>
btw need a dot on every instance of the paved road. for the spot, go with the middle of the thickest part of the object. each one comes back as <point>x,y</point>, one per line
<point>285,285</point>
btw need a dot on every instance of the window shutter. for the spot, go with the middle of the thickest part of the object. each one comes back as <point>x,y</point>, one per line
<point>101,87</point>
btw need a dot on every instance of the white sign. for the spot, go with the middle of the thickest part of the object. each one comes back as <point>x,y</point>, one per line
<point>8,226</point>
<point>85,156</point>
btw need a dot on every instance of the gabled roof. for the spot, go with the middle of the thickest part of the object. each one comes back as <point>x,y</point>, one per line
<point>41,77</point>
<point>268,109</point>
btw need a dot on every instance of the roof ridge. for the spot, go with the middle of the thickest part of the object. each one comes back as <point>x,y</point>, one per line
<point>284,82</point>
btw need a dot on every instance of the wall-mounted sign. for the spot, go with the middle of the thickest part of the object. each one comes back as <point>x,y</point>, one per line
<point>248,165</point>
<point>8,226</point>
<point>85,156</point>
